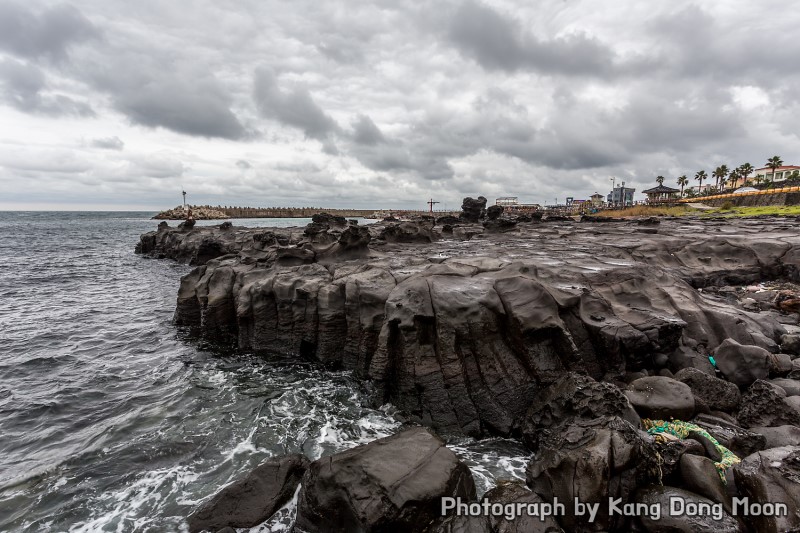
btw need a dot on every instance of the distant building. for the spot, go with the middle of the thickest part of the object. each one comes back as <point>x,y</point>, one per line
<point>621,196</point>
<point>781,173</point>
<point>697,189</point>
<point>661,195</point>
<point>511,204</point>
<point>597,200</point>
<point>507,201</point>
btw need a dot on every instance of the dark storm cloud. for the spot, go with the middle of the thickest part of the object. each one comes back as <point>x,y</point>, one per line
<point>697,45</point>
<point>498,43</point>
<point>49,32</point>
<point>109,143</point>
<point>366,132</point>
<point>421,158</point>
<point>293,107</point>
<point>179,102</point>
<point>24,87</point>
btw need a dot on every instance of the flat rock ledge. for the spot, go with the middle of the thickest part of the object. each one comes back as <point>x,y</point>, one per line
<point>562,334</point>
<point>461,330</point>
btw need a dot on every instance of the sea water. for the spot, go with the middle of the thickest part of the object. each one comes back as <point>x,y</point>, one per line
<point>112,419</point>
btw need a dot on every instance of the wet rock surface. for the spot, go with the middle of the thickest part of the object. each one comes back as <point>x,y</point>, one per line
<point>662,497</point>
<point>391,484</point>
<point>591,461</point>
<point>462,334</point>
<point>765,404</point>
<point>661,397</point>
<point>252,500</point>
<point>573,397</point>
<point>769,477</point>
<point>514,494</point>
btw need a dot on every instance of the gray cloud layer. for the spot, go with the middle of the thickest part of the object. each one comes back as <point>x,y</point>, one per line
<point>386,103</point>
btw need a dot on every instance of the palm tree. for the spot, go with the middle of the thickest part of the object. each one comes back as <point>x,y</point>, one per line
<point>700,176</point>
<point>745,170</point>
<point>774,163</point>
<point>734,177</point>
<point>683,181</point>
<point>719,174</point>
<point>660,180</point>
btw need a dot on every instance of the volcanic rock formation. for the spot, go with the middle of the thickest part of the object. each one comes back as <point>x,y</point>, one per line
<point>562,334</point>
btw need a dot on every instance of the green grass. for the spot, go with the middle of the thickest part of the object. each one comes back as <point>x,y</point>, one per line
<point>785,210</point>
<point>683,210</point>
<point>647,211</point>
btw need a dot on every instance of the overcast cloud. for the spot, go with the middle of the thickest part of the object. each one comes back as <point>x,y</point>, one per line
<point>112,104</point>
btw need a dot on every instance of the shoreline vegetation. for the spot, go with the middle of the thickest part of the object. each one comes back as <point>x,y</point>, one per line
<point>686,210</point>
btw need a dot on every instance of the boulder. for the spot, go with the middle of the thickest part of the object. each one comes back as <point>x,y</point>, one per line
<point>391,484</point>
<point>790,386</point>
<point>574,396</point>
<point>661,398</point>
<point>741,364</point>
<point>332,221</point>
<point>500,224</point>
<point>714,392</point>
<point>593,460</point>
<point>769,477</point>
<point>778,436</point>
<point>740,441</point>
<point>472,210</point>
<point>700,476</point>
<point>790,343</point>
<point>788,301</point>
<point>493,212</point>
<point>447,220</point>
<point>251,500</point>
<point>516,493</point>
<point>764,404</point>
<point>664,521</point>
<point>409,232</point>
<point>780,365</point>
<point>187,224</point>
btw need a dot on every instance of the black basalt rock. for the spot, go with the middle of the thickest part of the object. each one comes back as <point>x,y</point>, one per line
<point>472,210</point>
<point>494,211</point>
<point>251,500</point>
<point>394,484</point>
<point>573,397</point>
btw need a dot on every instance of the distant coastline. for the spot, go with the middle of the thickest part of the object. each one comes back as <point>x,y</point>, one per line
<point>207,212</point>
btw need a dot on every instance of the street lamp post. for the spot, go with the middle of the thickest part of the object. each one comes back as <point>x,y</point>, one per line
<point>613,199</point>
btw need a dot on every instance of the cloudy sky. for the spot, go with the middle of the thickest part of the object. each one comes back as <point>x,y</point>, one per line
<point>111,104</point>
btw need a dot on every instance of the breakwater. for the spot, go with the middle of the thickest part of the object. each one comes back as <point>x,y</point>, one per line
<point>220,212</point>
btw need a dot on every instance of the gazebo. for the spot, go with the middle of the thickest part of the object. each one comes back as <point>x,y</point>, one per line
<point>661,195</point>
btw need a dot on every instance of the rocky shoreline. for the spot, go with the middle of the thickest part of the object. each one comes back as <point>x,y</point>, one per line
<point>638,360</point>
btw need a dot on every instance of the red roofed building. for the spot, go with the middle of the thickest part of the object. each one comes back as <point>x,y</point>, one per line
<point>782,173</point>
